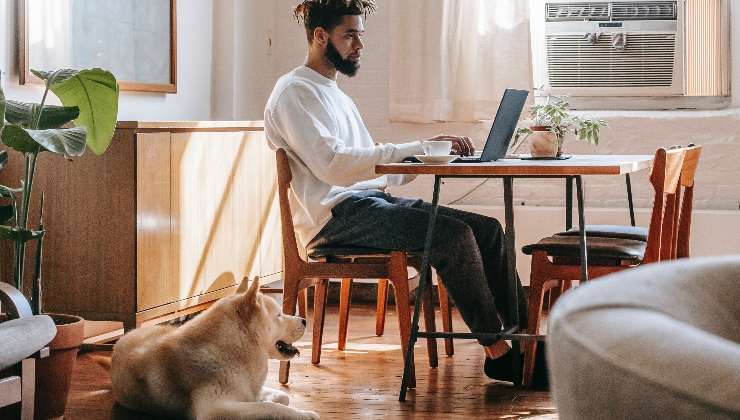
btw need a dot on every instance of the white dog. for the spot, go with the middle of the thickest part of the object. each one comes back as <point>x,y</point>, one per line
<point>212,367</point>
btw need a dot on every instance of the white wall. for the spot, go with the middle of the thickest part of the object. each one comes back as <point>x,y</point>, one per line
<point>193,100</point>
<point>628,132</point>
<point>718,180</point>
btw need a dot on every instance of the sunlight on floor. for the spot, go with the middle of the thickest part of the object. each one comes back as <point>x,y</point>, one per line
<point>352,347</point>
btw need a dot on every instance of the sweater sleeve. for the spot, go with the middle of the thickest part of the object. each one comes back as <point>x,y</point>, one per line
<point>311,132</point>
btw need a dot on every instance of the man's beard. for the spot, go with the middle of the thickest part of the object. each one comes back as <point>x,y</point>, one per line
<point>346,67</point>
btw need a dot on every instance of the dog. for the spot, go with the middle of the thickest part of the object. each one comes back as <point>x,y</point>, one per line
<point>212,367</point>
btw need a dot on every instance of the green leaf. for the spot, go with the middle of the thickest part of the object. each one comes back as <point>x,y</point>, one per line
<point>95,92</point>
<point>3,158</point>
<point>8,192</point>
<point>2,105</point>
<point>19,235</point>
<point>23,114</point>
<point>7,213</point>
<point>64,141</point>
<point>17,138</point>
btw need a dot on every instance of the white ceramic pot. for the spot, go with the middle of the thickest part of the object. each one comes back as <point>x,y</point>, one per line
<point>543,143</point>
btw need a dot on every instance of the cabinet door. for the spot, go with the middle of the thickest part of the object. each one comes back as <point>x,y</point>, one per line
<point>215,209</point>
<point>271,244</point>
<point>155,284</point>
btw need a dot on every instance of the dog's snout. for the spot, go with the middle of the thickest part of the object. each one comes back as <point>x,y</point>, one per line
<point>303,321</point>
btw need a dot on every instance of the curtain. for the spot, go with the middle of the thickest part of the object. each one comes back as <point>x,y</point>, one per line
<point>450,60</point>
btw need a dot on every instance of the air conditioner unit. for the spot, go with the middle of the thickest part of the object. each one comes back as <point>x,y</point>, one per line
<point>580,53</point>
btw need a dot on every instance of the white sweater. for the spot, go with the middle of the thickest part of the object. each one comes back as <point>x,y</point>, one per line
<point>331,152</point>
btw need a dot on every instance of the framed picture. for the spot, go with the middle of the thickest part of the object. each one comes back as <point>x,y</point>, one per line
<point>134,39</point>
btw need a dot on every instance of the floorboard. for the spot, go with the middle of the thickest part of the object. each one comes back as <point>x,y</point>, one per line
<point>362,381</point>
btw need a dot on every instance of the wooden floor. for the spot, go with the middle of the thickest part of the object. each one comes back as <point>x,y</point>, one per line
<point>362,381</point>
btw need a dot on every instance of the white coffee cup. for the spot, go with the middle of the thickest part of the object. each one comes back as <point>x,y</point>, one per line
<point>437,147</point>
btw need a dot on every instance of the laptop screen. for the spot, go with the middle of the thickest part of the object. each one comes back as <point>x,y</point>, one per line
<point>504,125</point>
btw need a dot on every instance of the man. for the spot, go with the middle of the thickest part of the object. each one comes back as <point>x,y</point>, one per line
<point>339,200</point>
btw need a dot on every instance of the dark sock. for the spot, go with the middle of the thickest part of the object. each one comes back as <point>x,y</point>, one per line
<point>502,368</point>
<point>540,379</point>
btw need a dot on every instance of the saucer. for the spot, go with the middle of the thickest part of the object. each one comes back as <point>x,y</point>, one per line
<point>436,160</point>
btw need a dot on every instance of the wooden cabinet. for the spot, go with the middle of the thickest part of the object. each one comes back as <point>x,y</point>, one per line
<point>172,217</point>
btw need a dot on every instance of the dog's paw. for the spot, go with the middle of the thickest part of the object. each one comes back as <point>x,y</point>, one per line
<point>309,415</point>
<point>281,398</point>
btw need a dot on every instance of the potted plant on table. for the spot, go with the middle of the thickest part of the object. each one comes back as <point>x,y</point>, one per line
<point>86,119</point>
<point>550,123</point>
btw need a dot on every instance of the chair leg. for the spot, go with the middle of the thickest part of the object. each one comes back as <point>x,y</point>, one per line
<point>290,298</point>
<point>556,292</point>
<point>28,388</point>
<point>319,310</point>
<point>429,323</point>
<point>399,278</point>
<point>380,306</point>
<point>345,295</point>
<point>444,309</point>
<point>537,283</point>
<point>303,303</point>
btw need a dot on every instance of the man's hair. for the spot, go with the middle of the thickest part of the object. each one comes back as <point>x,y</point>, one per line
<point>328,13</point>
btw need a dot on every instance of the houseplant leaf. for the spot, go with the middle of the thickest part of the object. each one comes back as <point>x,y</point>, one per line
<point>23,114</point>
<point>64,141</point>
<point>2,106</point>
<point>18,139</point>
<point>7,213</point>
<point>8,192</point>
<point>95,92</point>
<point>3,156</point>
<point>19,235</point>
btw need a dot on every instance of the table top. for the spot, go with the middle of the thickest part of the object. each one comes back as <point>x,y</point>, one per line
<point>576,165</point>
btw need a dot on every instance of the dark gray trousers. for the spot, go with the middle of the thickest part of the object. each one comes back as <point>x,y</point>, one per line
<point>468,250</point>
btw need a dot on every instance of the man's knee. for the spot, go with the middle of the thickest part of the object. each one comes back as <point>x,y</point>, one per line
<point>494,225</point>
<point>456,235</point>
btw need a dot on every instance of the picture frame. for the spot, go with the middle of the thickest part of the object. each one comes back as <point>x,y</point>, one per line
<point>126,37</point>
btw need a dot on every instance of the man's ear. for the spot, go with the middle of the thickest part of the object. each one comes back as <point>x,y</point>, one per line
<point>320,35</point>
<point>251,295</point>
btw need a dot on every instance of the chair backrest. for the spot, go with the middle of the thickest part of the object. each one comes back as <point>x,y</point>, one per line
<point>688,173</point>
<point>290,245</point>
<point>670,225</point>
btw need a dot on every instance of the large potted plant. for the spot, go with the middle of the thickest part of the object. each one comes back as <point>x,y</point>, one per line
<point>550,123</point>
<point>86,119</point>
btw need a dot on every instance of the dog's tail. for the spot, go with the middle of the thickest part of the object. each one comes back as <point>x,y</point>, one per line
<point>104,362</point>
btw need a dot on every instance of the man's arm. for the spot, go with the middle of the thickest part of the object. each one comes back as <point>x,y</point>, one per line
<point>309,128</point>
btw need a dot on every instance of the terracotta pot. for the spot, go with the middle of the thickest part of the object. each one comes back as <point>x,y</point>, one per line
<point>543,143</point>
<point>54,373</point>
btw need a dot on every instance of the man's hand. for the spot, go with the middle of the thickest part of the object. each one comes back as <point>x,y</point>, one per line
<point>461,145</point>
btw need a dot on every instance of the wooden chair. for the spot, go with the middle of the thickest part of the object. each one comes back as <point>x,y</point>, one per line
<point>348,263</point>
<point>381,304</point>
<point>23,339</point>
<point>668,238</point>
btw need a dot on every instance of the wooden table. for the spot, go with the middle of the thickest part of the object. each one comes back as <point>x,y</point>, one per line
<point>571,169</point>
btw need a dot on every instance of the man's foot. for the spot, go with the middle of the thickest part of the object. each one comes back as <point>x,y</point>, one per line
<point>502,368</point>
<point>540,378</point>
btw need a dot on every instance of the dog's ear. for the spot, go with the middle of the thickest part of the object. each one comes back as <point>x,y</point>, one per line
<point>243,286</point>
<point>251,295</point>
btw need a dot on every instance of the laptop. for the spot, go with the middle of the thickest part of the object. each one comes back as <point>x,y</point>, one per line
<point>502,129</point>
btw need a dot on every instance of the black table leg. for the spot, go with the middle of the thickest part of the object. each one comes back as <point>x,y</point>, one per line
<point>510,243</point>
<point>510,238</point>
<point>568,202</point>
<point>629,199</point>
<point>582,227</point>
<point>423,282</point>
